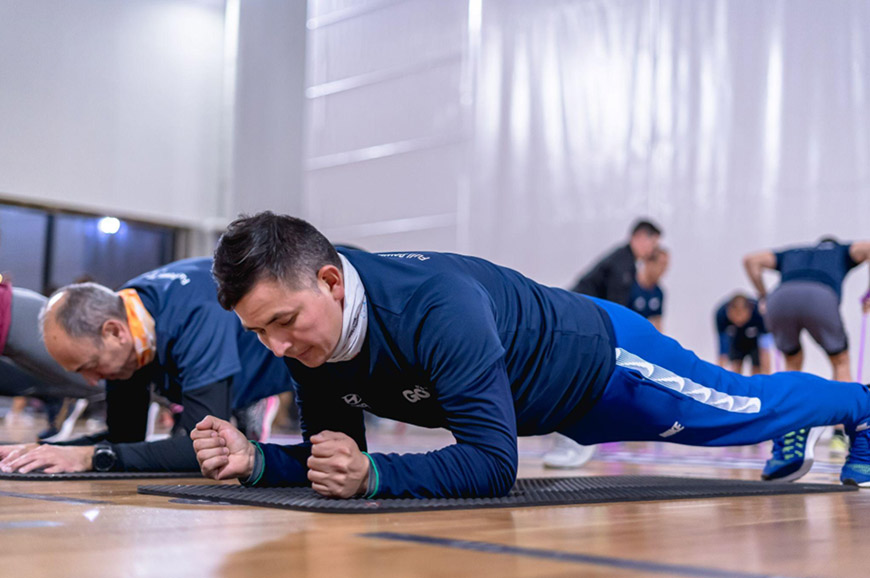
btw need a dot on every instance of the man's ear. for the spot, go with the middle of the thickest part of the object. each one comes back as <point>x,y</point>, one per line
<point>114,329</point>
<point>334,280</point>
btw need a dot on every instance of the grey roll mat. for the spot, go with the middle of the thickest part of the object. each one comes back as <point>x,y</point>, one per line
<point>43,477</point>
<point>526,492</point>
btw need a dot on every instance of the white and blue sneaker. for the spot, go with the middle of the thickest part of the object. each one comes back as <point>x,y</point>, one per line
<point>792,455</point>
<point>567,454</point>
<point>856,470</point>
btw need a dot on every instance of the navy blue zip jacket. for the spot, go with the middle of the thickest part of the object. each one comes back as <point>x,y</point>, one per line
<point>459,343</point>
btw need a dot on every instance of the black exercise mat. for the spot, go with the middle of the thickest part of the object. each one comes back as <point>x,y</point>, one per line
<point>526,492</point>
<point>43,477</point>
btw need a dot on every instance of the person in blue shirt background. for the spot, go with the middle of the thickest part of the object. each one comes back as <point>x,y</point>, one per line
<point>164,328</point>
<point>742,334</point>
<point>647,298</point>
<point>808,298</point>
<point>443,340</point>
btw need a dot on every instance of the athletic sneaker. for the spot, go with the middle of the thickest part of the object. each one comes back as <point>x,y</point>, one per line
<point>567,454</point>
<point>838,447</point>
<point>856,471</point>
<point>792,455</point>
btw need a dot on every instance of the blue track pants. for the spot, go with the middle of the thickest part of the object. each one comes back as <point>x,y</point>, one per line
<point>660,391</point>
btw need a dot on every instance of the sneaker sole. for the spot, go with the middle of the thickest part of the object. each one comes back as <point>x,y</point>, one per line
<point>851,482</point>
<point>587,454</point>
<point>812,440</point>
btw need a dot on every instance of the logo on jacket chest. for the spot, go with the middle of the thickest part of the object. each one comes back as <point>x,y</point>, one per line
<point>354,400</point>
<point>414,395</point>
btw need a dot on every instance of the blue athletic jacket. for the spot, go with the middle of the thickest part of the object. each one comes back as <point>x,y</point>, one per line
<point>828,262</point>
<point>198,342</point>
<point>459,343</point>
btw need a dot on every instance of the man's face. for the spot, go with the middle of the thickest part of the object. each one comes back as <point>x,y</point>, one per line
<point>643,245</point>
<point>113,356</point>
<point>304,323</point>
<point>739,315</point>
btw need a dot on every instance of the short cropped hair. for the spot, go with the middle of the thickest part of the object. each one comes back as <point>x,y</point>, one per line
<point>84,309</point>
<point>647,227</point>
<point>739,301</point>
<point>269,246</point>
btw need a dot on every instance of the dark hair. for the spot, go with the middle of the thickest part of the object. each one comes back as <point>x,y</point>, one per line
<point>84,310</point>
<point>647,227</point>
<point>268,246</point>
<point>829,239</point>
<point>739,300</point>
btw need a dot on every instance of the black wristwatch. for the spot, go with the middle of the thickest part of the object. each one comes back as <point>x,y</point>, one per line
<point>104,457</point>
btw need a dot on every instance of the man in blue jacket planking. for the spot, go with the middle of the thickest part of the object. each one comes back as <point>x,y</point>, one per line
<point>442,340</point>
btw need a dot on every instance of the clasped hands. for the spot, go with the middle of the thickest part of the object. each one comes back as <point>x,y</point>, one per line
<point>336,468</point>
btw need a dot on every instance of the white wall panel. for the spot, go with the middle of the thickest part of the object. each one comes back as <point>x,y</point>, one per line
<point>388,121</point>
<point>268,136</point>
<point>382,37</point>
<point>424,104</point>
<point>112,106</point>
<point>441,238</point>
<point>400,179</point>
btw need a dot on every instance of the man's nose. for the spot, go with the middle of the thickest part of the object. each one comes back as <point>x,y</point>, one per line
<point>279,346</point>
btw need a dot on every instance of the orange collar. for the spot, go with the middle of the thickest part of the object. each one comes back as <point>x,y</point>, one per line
<point>141,326</point>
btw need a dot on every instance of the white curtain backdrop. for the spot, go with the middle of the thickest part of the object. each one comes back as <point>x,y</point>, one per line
<point>736,124</point>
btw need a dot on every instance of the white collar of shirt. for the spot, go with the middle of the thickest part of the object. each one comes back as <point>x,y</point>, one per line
<point>355,317</point>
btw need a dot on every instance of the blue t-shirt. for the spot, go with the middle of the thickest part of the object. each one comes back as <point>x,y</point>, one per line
<point>827,263</point>
<point>729,332</point>
<point>647,302</point>
<point>459,343</point>
<point>200,343</point>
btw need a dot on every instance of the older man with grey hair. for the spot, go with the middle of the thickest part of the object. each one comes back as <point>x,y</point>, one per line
<point>164,328</point>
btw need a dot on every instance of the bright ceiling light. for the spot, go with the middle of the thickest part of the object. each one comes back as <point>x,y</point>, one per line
<point>109,225</point>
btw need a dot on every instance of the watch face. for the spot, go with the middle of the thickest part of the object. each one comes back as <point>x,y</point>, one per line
<point>104,459</point>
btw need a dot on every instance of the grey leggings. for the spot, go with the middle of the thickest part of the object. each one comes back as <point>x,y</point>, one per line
<point>24,347</point>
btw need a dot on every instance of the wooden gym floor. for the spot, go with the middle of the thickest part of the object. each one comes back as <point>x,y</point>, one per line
<point>97,529</point>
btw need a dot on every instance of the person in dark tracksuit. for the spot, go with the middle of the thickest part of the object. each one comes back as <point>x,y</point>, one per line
<point>808,298</point>
<point>613,276</point>
<point>742,334</point>
<point>443,340</point>
<point>164,328</point>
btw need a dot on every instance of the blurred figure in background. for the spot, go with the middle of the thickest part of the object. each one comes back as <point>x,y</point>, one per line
<point>21,343</point>
<point>613,275</point>
<point>742,334</point>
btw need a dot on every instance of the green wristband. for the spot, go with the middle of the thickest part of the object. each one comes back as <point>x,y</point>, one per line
<point>263,458</point>
<point>373,486</point>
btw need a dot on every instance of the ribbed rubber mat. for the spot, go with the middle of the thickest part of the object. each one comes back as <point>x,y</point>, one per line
<point>43,477</point>
<point>526,492</point>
